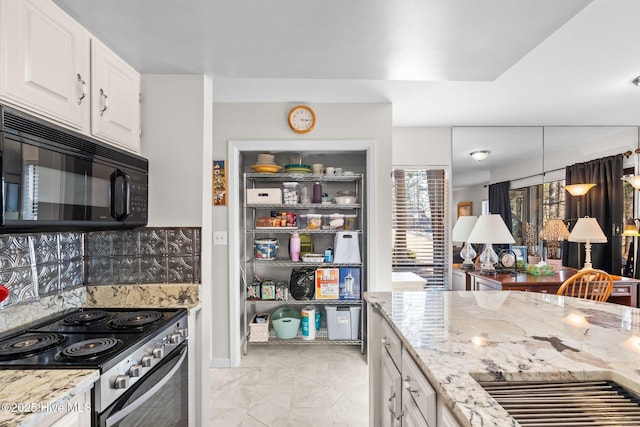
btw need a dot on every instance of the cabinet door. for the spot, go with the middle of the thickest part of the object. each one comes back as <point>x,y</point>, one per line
<point>417,389</point>
<point>459,280</point>
<point>76,413</point>
<point>391,392</point>
<point>445,417</point>
<point>44,58</point>
<point>115,99</point>
<point>411,415</point>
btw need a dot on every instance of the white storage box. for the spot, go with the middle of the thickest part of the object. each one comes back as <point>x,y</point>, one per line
<point>343,322</point>
<point>259,332</point>
<point>264,196</point>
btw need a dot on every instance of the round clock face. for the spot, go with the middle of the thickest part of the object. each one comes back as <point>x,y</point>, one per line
<point>507,259</point>
<point>302,119</point>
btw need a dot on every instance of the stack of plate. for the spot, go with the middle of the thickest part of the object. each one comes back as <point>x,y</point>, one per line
<point>265,164</point>
<point>297,168</point>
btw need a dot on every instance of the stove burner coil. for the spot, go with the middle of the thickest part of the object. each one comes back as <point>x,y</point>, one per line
<point>29,344</point>
<point>91,348</point>
<point>135,320</point>
<point>85,317</point>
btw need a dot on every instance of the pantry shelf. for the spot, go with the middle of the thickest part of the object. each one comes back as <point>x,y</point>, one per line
<point>322,337</point>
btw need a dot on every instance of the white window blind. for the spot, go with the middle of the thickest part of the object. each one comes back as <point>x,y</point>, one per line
<point>420,224</point>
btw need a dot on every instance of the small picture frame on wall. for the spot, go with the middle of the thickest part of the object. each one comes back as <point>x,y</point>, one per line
<point>465,209</point>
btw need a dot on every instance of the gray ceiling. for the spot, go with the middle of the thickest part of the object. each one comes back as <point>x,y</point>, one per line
<point>439,62</point>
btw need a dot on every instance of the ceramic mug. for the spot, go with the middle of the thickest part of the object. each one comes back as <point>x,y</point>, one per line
<point>338,171</point>
<point>329,171</point>
<point>317,168</point>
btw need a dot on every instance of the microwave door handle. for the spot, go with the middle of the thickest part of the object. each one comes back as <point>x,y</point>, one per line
<point>126,195</point>
<point>119,415</point>
<point>2,196</point>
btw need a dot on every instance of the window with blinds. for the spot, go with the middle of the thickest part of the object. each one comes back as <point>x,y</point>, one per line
<point>420,224</point>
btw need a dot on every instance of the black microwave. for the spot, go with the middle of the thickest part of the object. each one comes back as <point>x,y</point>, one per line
<point>54,178</point>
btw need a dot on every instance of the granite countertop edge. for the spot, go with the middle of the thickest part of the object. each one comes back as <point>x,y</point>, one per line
<point>28,396</point>
<point>524,350</point>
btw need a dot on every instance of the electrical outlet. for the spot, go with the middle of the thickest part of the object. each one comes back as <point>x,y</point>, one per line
<point>219,237</point>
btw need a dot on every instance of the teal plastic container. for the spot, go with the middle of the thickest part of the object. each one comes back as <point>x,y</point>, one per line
<point>286,322</point>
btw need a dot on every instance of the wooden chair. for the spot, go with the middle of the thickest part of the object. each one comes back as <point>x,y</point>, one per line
<point>589,284</point>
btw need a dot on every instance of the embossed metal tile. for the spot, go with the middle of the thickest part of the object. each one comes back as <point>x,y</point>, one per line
<point>20,283</point>
<point>99,243</point>
<point>71,274</point>
<point>99,271</point>
<point>14,251</point>
<point>48,278</point>
<point>45,247</point>
<point>181,241</point>
<point>153,241</point>
<point>71,246</point>
<point>181,269</point>
<point>126,243</point>
<point>153,269</point>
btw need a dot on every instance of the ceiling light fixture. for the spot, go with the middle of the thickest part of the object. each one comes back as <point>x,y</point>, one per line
<point>479,155</point>
<point>636,81</point>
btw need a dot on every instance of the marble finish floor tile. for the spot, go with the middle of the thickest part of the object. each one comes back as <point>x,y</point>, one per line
<point>291,385</point>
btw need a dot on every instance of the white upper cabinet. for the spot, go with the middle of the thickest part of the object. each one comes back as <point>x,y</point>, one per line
<point>44,61</point>
<point>115,98</point>
<point>52,67</point>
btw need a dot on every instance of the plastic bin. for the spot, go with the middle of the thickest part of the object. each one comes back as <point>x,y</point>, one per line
<point>286,322</point>
<point>343,322</point>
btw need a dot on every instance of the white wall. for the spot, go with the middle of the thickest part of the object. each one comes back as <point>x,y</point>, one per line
<point>268,121</point>
<point>176,115</point>
<point>173,126</point>
<point>422,147</point>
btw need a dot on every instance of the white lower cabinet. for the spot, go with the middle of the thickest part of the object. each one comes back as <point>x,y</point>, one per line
<point>418,397</point>
<point>405,397</point>
<point>391,392</point>
<point>445,417</point>
<point>77,413</point>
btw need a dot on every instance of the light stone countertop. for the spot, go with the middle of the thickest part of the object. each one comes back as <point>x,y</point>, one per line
<point>28,396</point>
<point>510,336</point>
<point>154,295</point>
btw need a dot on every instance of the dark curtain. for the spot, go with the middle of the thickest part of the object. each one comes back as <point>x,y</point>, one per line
<point>500,203</point>
<point>605,202</point>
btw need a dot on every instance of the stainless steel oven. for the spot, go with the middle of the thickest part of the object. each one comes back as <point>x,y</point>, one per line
<point>141,355</point>
<point>160,399</point>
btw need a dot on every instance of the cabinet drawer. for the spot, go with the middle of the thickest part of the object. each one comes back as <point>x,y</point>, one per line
<point>621,291</point>
<point>391,342</point>
<point>417,386</point>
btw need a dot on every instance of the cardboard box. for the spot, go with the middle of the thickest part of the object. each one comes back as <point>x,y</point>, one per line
<point>349,283</point>
<point>327,283</point>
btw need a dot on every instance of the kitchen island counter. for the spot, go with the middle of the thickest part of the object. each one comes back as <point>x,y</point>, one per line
<point>457,338</point>
<point>29,396</point>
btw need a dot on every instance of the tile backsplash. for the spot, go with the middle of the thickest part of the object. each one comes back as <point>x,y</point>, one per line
<point>147,255</point>
<point>44,264</point>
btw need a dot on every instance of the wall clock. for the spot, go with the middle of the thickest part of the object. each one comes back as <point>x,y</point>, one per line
<point>302,119</point>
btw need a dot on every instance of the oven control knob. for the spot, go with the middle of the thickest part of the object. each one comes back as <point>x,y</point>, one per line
<point>135,370</point>
<point>121,381</point>
<point>174,338</point>
<point>158,352</point>
<point>146,361</point>
<point>183,332</point>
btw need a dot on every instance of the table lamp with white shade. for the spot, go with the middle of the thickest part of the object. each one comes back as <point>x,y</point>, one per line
<point>460,233</point>
<point>490,229</point>
<point>587,231</point>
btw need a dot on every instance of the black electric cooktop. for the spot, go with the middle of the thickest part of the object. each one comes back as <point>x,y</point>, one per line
<point>85,338</point>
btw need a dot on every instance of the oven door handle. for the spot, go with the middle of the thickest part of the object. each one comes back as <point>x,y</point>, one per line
<point>116,417</point>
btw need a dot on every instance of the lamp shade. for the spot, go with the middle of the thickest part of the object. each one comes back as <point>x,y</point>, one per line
<point>555,229</point>
<point>633,180</point>
<point>630,229</point>
<point>587,230</point>
<point>578,189</point>
<point>490,229</point>
<point>463,228</point>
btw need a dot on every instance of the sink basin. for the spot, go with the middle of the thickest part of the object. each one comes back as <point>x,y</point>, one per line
<point>566,403</point>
